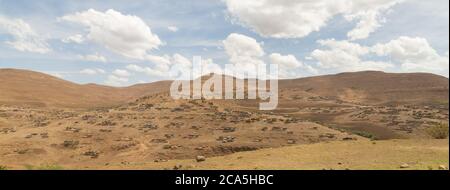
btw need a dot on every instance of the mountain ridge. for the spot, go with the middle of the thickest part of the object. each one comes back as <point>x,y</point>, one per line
<point>31,88</point>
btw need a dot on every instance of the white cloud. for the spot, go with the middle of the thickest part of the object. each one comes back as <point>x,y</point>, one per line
<point>153,72</point>
<point>407,53</point>
<point>208,66</point>
<point>92,71</point>
<point>414,55</point>
<point>348,47</point>
<point>173,28</point>
<point>285,61</point>
<point>135,68</point>
<point>121,73</point>
<point>94,58</point>
<point>114,80</point>
<point>78,38</point>
<point>288,65</point>
<point>297,19</point>
<point>368,23</point>
<point>238,45</point>
<point>126,35</point>
<point>344,56</point>
<point>180,67</point>
<point>25,38</point>
<point>244,52</point>
<point>163,66</point>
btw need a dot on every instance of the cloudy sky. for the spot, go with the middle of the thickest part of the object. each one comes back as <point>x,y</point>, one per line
<point>122,43</point>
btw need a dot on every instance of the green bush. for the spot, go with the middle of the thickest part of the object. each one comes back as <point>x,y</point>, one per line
<point>2,167</point>
<point>438,131</point>
<point>365,134</point>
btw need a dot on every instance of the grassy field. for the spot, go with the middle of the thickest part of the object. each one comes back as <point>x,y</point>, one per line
<point>353,155</point>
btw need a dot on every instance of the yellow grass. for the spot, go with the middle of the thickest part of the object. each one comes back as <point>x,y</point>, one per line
<point>355,155</point>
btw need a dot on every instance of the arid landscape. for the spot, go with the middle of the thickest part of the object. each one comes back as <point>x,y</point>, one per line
<point>362,120</point>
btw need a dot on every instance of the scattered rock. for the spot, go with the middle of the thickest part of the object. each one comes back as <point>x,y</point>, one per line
<point>73,129</point>
<point>227,139</point>
<point>161,160</point>
<point>169,136</point>
<point>442,167</point>
<point>70,144</point>
<point>105,130</point>
<point>178,167</point>
<point>200,158</point>
<point>159,141</point>
<point>291,141</point>
<point>328,135</point>
<point>349,139</point>
<point>107,123</point>
<point>192,136</point>
<point>228,129</point>
<point>404,166</point>
<point>123,146</point>
<point>44,135</point>
<point>92,154</point>
<point>150,127</point>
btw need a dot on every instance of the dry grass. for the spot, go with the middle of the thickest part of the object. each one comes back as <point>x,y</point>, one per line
<point>354,155</point>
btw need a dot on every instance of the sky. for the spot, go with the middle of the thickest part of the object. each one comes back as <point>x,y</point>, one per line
<point>121,43</point>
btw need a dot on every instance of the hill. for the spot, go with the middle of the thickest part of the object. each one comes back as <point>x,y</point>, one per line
<point>372,87</point>
<point>29,88</point>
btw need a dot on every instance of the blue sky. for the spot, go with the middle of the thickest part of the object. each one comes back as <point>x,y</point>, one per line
<point>411,36</point>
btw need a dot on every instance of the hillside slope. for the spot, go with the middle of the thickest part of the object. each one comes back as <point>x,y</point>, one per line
<point>373,87</point>
<point>20,87</point>
<point>28,88</point>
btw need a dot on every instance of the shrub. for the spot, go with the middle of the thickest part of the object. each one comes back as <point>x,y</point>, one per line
<point>2,167</point>
<point>365,134</point>
<point>438,131</point>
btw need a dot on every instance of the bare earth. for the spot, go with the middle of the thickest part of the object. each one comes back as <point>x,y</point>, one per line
<point>366,120</point>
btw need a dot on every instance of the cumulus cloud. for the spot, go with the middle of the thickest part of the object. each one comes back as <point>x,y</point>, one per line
<point>238,45</point>
<point>368,22</point>
<point>127,35</point>
<point>244,52</point>
<point>78,38</point>
<point>94,58</point>
<point>345,56</point>
<point>414,55</point>
<point>118,77</point>
<point>121,73</point>
<point>180,67</point>
<point>297,19</point>
<point>114,80</point>
<point>165,67</point>
<point>407,53</point>
<point>24,36</point>
<point>288,65</point>
<point>92,71</point>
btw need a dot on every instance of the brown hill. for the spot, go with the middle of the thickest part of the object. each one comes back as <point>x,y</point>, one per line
<point>29,88</point>
<point>372,87</point>
<point>21,87</point>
